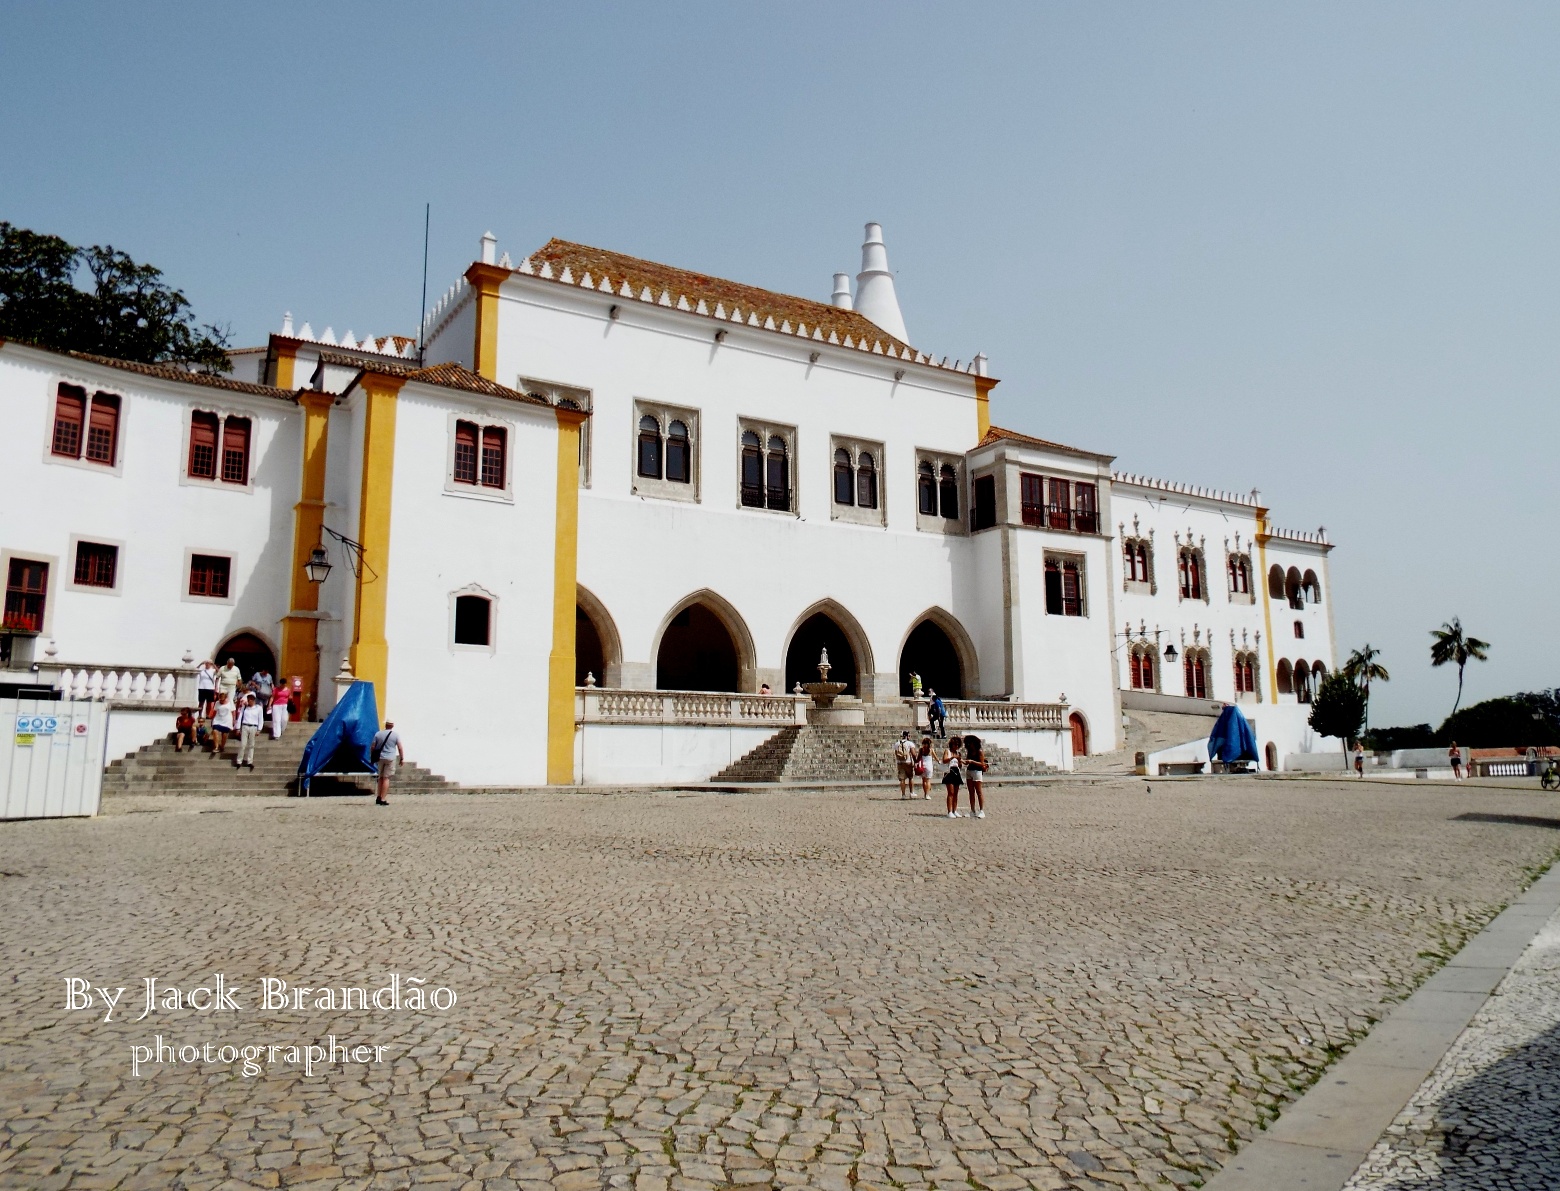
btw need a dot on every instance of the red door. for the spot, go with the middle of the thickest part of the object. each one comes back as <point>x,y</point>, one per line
<point>1080,735</point>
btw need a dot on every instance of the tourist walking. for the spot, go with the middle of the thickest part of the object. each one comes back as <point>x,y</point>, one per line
<point>937,714</point>
<point>1359,759</point>
<point>221,724</point>
<point>229,679</point>
<point>206,687</point>
<point>904,764</point>
<point>923,766</point>
<point>387,753</point>
<point>184,730</point>
<point>953,776</point>
<point>264,686</point>
<point>975,775</point>
<point>250,717</point>
<point>1454,756</point>
<point>280,706</point>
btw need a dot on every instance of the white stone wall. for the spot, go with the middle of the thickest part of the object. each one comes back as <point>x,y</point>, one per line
<point>655,754</point>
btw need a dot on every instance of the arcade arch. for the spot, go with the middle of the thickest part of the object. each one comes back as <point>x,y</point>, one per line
<point>598,650</point>
<point>827,625</point>
<point>941,652</point>
<point>704,645</point>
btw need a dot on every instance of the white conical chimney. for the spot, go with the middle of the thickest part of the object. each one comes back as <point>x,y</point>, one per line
<point>875,297</point>
<point>841,296</point>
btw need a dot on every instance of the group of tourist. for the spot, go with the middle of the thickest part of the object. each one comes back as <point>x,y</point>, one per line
<point>963,763</point>
<point>228,706</point>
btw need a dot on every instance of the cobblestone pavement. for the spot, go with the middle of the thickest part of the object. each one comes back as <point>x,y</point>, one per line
<point>1095,987</point>
<point>1488,1117</point>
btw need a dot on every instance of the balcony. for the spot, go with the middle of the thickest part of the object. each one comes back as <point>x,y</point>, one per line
<point>1064,519</point>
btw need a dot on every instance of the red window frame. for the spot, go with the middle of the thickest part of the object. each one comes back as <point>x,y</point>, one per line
<point>97,564</point>
<point>1088,515</point>
<point>466,439</point>
<point>1196,675</point>
<point>211,576</point>
<point>70,420</point>
<point>102,442</point>
<point>1031,495</point>
<point>235,450</point>
<point>1191,575</point>
<point>26,595</point>
<point>495,452</point>
<point>204,431</point>
<point>1059,507</point>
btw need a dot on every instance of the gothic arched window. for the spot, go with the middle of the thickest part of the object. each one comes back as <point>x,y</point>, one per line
<point>948,493</point>
<point>679,453</point>
<point>844,478</point>
<point>926,490</point>
<point>649,447</point>
<point>866,481</point>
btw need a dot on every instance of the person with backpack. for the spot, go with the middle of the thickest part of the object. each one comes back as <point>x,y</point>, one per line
<point>386,753</point>
<point>904,764</point>
<point>937,716</point>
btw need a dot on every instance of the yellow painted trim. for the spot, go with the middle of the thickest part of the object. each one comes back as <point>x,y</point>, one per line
<point>983,387</point>
<point>286,363</point>
<point>1267,601</point>
<point>566,542</point>
<point>485,280</point>
<point>300,636</point>
<point>370,655</point>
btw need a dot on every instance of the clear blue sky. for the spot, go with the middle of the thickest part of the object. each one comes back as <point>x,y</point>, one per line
<point>1309,248</point>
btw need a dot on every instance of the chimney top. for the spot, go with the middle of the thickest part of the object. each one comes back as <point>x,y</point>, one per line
<point>875,296</point>
<point>841,296</point>
<point>489,248</point>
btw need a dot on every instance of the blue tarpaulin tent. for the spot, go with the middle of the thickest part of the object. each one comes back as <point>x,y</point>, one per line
<point>340,744</point>
<point>1232,738</point>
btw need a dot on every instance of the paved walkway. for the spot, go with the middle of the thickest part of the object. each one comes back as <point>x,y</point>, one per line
<point>1095,987</point>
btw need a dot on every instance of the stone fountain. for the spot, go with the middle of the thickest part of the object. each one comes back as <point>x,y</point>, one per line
<point>824,693</point>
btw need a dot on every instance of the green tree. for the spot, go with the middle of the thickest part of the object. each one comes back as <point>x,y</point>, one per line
<point>128,313</point>
<point>1452,644</point>
<point>1339,709</point>
<point>1521,720</point>
<point>1361,668</point>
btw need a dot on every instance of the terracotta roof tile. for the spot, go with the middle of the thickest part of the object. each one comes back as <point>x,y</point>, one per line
<point>453,376</point>
<point>998,434</point>
<point>617,268</point>
<point>173,372</point>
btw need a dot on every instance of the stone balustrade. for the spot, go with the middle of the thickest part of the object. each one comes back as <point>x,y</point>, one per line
<point>598,705</point>
<point>150,686</point>
<point>994,714</point>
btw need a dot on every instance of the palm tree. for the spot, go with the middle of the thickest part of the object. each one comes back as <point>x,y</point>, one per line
<point>1451,644</point>
<point>1361,668</point>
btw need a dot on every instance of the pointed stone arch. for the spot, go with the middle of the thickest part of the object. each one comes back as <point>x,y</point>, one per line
<point>724,611</point>
<point>589,608</point>
<point>855,636</point>
<point>963,648</point>
<point>250,647</point>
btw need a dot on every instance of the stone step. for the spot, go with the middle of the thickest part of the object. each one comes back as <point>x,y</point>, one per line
<point>846,753</point>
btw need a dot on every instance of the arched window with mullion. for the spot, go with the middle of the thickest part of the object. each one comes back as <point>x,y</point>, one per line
<point>926,489</point>
<point>844,478</point>
<point>679,453</point>
<point>866,481</point>
<point>778,475</point>
<point>649,447</point>
<point>752,470</point>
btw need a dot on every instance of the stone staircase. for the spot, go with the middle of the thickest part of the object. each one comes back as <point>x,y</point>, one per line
<point>1147,732</point>
<point>832,753</point>
<point>157,769</point>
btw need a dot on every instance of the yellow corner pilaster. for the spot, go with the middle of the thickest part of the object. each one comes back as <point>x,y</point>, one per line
<point>300,633</point>
<point>370,655</point>
<point>1267,601</point>
<point>983,387</point>
<point>485,280</point>
<point>560,663</point>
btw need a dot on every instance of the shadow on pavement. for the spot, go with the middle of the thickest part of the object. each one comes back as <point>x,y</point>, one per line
<point>1517,820</point>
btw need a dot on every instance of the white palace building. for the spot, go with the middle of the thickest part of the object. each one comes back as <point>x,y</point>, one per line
<point>606,524</point>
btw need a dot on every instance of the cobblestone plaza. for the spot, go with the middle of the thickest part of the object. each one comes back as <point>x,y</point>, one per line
<point>1097,986</point>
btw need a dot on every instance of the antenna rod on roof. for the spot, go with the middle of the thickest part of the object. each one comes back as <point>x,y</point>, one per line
<point>422,311</point>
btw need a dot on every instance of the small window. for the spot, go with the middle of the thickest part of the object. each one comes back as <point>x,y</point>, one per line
<point>1063,588</point>
<point>1087,520</point>
<point>778,476</point>
<point>983,498</point>
<point>844,478</point>
<point>495,442</point>
<point>679,453</point>
<point>96,564</point>
<point>1191,575</point>
<point>948,493</point>
<point>210,575</point>
<point>473,620</point>
<point>235,450</point>
<point>204,429</point>
<point>926,490</point>
<point>1031,491</point>
<point>1196,674</point>
<point>26,589</point>
<point>649,447</point>
<point>1299,630</point>
<point>1134,554</point>
<point>1059,508</point>
<point>752,471</point>
<point>866,481</point>
<point>103,429</point>
<point>70,413</point>
<point>466,436</point>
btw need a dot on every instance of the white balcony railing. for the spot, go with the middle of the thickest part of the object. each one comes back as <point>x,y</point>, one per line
<point>597,705</point>
<point>990,714</point>
<point>151,685</point>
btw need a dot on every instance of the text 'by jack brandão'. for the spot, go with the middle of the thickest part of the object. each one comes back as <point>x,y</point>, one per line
<point>163,1002</point>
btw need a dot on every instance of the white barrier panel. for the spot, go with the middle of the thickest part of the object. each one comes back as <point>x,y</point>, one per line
<point>51,757</point>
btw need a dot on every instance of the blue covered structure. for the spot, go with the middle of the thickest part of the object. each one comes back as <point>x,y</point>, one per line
<point>340,744</point>
<point>1232,738</point>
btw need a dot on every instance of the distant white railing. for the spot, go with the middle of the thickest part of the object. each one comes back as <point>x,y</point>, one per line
<point>167,685</point>
<point>989,714</point>
<point>597,705</point>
